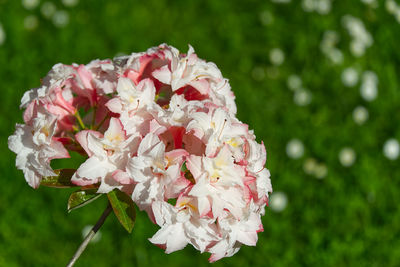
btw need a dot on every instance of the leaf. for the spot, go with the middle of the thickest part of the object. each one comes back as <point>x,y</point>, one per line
<point>61,180</point>
<point>124,208</point>
<point>81,198</point>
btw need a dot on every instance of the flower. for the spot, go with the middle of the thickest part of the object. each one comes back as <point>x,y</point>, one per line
<point>161,127</point>
<point>35,146</point>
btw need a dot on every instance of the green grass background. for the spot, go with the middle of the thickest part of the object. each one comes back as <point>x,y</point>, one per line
<point>327,222</point>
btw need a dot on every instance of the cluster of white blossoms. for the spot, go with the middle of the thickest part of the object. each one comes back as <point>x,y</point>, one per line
<point>393,8</point>
<point>328,46</point>
<point>322,7</point>
<point>161,127</point>
<point>48,10</point>
<point>361,38</point>
<point>369,86</point>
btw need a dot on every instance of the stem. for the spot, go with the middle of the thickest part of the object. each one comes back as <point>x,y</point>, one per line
<point>101,123</point>
<point>90,235</point>
<point>78,117</point>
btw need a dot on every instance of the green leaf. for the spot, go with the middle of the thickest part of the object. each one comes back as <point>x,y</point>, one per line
<point>61,180</point>
<point>81,198</point>
<point>124,208</point>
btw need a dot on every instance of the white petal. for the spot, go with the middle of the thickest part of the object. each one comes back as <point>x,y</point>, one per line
<point>161,236</point>
<point>32,178</point>
<point>163,74</point>
<point>247,238</point>
<point>176,239</point>
<point>125,85</point>
<point>147,143</point>
<point>94,168</point>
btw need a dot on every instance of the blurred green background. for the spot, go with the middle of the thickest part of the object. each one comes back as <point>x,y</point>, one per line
<point>317,80</point>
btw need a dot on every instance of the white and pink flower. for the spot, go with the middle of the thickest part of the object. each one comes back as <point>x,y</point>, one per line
<point>160,126</point>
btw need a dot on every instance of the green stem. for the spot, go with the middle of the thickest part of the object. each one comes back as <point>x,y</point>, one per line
<point>90,235</point>
<point>78,117</point>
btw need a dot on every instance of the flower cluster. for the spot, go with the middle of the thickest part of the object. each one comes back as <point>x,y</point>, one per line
<point>161,127</point>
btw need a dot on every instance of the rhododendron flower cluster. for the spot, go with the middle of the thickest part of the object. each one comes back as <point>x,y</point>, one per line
<point>159,126</point>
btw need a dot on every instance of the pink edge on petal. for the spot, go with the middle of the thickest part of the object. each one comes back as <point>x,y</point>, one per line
<point>83,181</point>
<point>114,105</point>
<point>60,101</point>
<point>122,177</point>
<point>82,139</point>
<point>28,114</point>
<point>146,66</point>
<point>249,179</point>
<point>247,194</point>
<point>264,152</point>
<point>85,76</point>
<point>59,147</point>
<point>207,213</point>
<point>214,258</point>
<point>162,246</point>
<point>202,85</point>
<point>162,74</point>
<point>260,228</point>
<point>177,155</point>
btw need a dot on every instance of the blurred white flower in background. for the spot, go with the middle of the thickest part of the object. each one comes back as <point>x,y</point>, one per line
<point>322,7</point>
<point>308,5</point>
<point>302,97</point>
<point>361,38</point>
<point>85,232</point>
<point>276,56</point>
<point>60,18</point>
<point>266,18</point>
<point>330,38</point>
<point>31,22</point>
<point>349,77</point>
<point>70,3</point>
<point>391,149</point>
<point>393,8</point>
<point>278,201</point>
<point>336,56</point>
<point>369,86</point>
<point>347,156</point>
<point>360,115</point>
<point>30,4</point>
<point>321,171</point>
<point>294,82</point>
<point>2,35</point>
<point>48,9</point>
<point>371,3</point>
<point>295,149</point>
<point>312,167</point>
<point>328,47</point>
<point>309,166</point>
